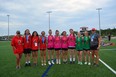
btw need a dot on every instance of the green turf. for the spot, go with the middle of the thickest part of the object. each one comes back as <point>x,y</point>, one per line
<point>7,66</point>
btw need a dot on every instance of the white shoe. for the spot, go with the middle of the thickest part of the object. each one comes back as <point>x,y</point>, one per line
<point>42,64</point>
<point>89,63</point>
<point>85,63</point>
<point>59,61</point>
<point>45,64</point>
<point>81,63</point>
<point>78,62</point>
<point>52,62</point>
<point>49,63</point>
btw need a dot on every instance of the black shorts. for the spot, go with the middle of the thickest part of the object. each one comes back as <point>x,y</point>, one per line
<point>64,48</point>
<point>50,48</point>
<point>57,48</point>
<point>94,47</point>
<point>79,50</point>
<point>71,47</point>
<point>34,50</point>
<point>86,49</point>
<point>27,51</point>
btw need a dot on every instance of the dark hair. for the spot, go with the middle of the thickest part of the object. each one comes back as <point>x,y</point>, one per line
<point>50,30</point>
<point>56,31</point>
<point>25,31</point>
<point>73,32</point>
<point>70,29</point>
<point>43,31</point>
<point>34,32</point>
<point>17,32</point>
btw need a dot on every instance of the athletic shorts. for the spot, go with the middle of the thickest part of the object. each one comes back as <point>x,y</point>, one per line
<point>79,50</point>
<point>27,51</point>
<point>86,49</point>
<point>64,48</point>
<point>57,48</point>
<point>34,50</point>
<point>42,49</point>
<point>94,47</point>
<point>50,48</point>
<point>71,47</point>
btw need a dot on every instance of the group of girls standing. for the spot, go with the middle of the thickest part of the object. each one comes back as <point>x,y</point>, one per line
<point>59,46</point>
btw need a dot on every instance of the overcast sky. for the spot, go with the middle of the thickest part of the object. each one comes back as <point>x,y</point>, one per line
<point>65,14</point>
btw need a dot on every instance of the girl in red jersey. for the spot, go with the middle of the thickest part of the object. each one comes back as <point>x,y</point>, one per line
<point>64,45</point>
<point>27,47</point>
<point>35,46</point>
<point>17,45</point>
<point>42,42</point>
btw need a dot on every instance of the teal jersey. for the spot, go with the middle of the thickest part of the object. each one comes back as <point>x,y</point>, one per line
<point>86,44</point>
<point>79,44</point>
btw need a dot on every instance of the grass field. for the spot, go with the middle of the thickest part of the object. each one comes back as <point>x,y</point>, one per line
<point>7,65</point>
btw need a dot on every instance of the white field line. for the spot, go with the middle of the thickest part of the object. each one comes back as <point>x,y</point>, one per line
<point>112,70</point>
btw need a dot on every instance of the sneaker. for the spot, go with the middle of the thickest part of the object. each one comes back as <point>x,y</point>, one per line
<point>78,62</point>
<point>94,64</point>
<point>59,62</point>
<point>70,62</point>
<point>42,64</point>
<point>17,67</point>
<point>85,63</point>
<point>89,63</point>
<point>45,64</point>
<point>49,63</point>
<point>81,63</point>
<point>35,64</point>
<point>52,62</point>
<point>97,65</point>
<point>73,62</point>
<point>66,62</point>
<point>26,64</point>
<point>29,64</point>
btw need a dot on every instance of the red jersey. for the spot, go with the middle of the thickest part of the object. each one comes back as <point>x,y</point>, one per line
<point>27,41</point>
<point>42,42</point>
<point>17,42</point>
<point>35,43</point>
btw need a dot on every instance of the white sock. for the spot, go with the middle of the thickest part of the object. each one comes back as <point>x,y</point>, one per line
<point>56,60</point>
<point>26,62</point>
<point>73,59</point>
<point>59,60</point>
<point>29,62</point>
<point>70,59</point>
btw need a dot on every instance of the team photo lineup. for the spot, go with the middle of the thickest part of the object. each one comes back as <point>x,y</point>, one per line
<point>57,38</point>
<point>56,48</point>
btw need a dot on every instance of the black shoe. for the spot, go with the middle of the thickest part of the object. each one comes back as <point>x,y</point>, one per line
<point>94,64</point>
<point>70,62</point>
<point>66,62</point>
<point>18,67</point>
<point>26,64</point>
<point>97,65</point>
<point>73,62</point>
<point>35,64</point>
<point>29,64</point>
